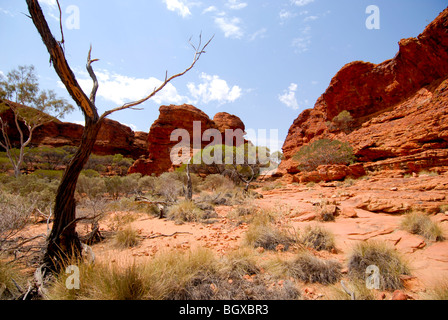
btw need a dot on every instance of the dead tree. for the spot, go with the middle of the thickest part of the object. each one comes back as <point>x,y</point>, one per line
<point>63,241</point>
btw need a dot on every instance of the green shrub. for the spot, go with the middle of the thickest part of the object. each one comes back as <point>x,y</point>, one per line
<point>50,175</point>
<point>418,223</point>
<point>343,121</point>
<point>117,186</point>
<point>324,152</point>
<point>92,187</point>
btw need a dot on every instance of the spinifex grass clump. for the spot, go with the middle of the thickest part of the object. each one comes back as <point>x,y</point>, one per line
<point>418,223</point>
<point>389,263</point>
<point>264,233</point>
<point>185,211</point>
<point>318,238</point>
<point>175,275</point>
<point>127,238</point>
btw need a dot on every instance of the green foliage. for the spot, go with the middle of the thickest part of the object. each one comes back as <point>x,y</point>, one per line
<point>343,121</point>
<point>117,186</point>
<point>49,175</point>
<point>90,186</point>
<point>324,152</point>
<point>238,163</point>
<point>116,164</point>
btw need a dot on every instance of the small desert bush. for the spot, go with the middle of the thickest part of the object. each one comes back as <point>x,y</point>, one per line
<point>240,262</point>
<point>214,182</point>
<point>418,223</point>
<point>15,213</point>
<point>310,268</point>
<point>390,264</point>
<point>318,238</point>
<point>307,268</point>
<point>326,210</point>
<point>126,238</point>
<point>324,152</point>
<point>169,186</point>
<point>90,186</point>
<point>268,236</point>
<point>443,208</point>
<point>185,211</point>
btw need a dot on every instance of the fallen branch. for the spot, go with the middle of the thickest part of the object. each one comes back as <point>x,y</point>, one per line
<point>166,235</point>
<point>350,293</point>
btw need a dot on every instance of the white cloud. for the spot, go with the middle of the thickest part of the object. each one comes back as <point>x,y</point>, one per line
<point>6,12</point>
<point>230,27</point>
<point>258,34</point>
<point>209,9</point>
<point>289,97</point>
<point>121,89</point>
<point>301,3</point>
<point>301,44</point>
<point>310,18</point>
<point>236,5</point>
<point>285,15</point>
<point>178,6</point>
<point>214,89</point>
<point>50,3</point>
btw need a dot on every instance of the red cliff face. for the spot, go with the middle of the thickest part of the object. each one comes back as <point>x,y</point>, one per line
<point>399,107</point>
<point>113,137</point>
<point>179,117</point>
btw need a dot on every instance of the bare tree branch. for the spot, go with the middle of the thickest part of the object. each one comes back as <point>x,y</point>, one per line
<point>60,64</point>
<point>92,75</point>
<point>198,52</point>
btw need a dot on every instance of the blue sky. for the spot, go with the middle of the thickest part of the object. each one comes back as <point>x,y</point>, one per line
<point>268,61</point>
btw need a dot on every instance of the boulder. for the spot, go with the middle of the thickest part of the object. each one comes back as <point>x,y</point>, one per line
<point>160,147</point>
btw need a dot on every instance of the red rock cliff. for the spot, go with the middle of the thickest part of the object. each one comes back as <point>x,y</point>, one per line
<point>400,107</point>
<point>113,137</point>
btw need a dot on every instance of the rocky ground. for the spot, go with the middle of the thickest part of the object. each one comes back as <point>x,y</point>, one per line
<point>365,209</point>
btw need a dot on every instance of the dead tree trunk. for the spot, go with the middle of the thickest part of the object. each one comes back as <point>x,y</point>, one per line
<point>189,193</point>
<point>63,240</point>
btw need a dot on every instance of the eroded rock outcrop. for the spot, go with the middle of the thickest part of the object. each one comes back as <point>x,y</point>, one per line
<point>113,137</point>
<point>160,144</point>
<point>400,108</point>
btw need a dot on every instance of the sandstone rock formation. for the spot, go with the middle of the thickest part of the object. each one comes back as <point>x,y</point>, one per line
<point>160,146</point>
<point>113,137</point>
<point>400,108</point>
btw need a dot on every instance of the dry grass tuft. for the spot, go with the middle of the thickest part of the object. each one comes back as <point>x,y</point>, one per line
<point>418,223</point>
<point>390,263</point>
